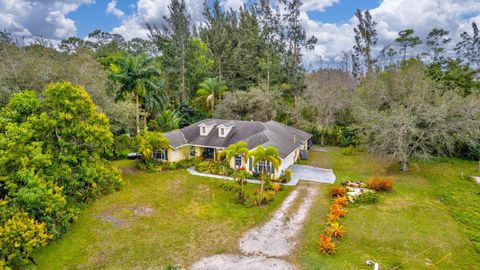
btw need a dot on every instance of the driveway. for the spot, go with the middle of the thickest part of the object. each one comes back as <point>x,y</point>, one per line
<point>310,173</point>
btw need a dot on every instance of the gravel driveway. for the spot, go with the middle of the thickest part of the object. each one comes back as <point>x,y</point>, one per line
<point>263,246</point>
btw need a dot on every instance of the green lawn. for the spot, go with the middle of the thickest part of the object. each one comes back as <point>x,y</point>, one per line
<point>192,217</point>
<point>431,214</point>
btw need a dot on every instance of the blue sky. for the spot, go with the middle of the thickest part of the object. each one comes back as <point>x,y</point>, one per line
<point>337,13</point>
<point>331,21</point>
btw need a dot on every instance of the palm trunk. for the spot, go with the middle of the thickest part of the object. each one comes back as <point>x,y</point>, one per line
<point>137,103</point>
<point>322,140</point>
<point>478,169</point>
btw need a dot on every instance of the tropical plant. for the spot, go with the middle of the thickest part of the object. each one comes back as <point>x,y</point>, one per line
<point>334,230</point>
<point>232,151</point>
<point>267,155</point>
<point>149,141</point>
<point>168,120</point>
<point>338,191</point>
<point>211,90</point>
<point>326,245</point>
<point>137,75</point>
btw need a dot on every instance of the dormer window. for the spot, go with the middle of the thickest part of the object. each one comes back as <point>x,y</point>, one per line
<point>224,130</point>
<point>205,128</point>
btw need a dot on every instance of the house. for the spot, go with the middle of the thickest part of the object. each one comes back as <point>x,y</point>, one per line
<point>207,137</point>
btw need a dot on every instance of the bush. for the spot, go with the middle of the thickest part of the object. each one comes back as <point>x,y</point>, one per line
<point>326,245</point>
<point>276,187</point>
<point>349,151</point>
<point>342,201</point>
<point>334,230</point>
<point>122,146</point>
<point>338,191</point>
<point>19,236</point>
<point>337,210</point>
<point>229,185</point>
<point>367,197</point>
<point>287,176</point>
<point>380,184</point>
<point>332,218</point>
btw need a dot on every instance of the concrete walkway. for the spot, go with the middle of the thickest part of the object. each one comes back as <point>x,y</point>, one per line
<point>299,172</point>
<point>310,173</point>
<point>477,179</point>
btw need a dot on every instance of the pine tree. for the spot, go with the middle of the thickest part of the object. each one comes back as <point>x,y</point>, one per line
<point>365,39</point>
<point>436,39</point>
<point>407,40</point>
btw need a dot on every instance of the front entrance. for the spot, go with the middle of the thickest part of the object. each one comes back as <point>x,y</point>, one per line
<point>208,154</point>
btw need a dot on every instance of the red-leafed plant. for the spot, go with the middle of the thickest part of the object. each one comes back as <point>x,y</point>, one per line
<point>338,191</point>
<point>326,245</point>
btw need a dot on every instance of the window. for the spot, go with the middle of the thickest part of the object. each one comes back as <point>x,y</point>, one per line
<point>238,162</point>
<point>203,130</point>
<point>222,132</point>
<point>161,154</point>
<point>260,166</point>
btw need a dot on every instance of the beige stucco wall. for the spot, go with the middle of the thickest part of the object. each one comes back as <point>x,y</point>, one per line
<point>178,154</point>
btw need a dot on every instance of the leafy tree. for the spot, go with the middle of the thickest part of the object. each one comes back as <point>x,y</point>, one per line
<point>365,38</point>
<point>403,114</point>
<point>168,120</point>
<point>72,44</point>
<point>452,75</point>
<point>256,104</point>
<point>211,90</point>
<point>138,76</point>
<point>407,40</point>
<point>189,115</point>
<point>469,47</point>
<point>268,155</point>
<point>232,151</point>
<point>436,40</point>
<point>200,65</point>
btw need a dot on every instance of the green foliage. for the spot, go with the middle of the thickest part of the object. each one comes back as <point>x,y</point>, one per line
<point>50,162</point>
<point>168,120</point>
<point>150,141</point>
<point>349,151</point>
<point>123,145</point>
<point>19,236</point>
<point>366,197</point>
<point>211,90</point>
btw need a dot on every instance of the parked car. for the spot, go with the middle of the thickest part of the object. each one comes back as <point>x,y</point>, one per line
<point>134,155</point>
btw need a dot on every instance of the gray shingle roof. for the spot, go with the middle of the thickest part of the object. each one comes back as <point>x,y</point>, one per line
<point>286,139</point>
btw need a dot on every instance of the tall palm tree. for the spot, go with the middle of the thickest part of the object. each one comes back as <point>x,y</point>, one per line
<point>211,90</point>
<point>233,150</point>
<point>137,75</point>
<point>168,120</point>
<point>262,154</point>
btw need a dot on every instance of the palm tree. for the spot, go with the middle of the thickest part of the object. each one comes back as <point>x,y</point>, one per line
<point>265,155</point>
<point>138,76</point>
<point>211,90</point>
<point>233,150</point>
<point>168,120</point>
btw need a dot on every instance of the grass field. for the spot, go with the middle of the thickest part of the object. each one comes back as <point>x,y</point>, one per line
<point>428,218</point>
<point>192,217</point>
<point>430,221</point>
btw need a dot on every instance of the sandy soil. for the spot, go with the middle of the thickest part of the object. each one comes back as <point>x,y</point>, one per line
<point>262,246</point>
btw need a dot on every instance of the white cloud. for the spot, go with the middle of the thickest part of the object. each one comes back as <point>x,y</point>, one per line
<point>112,9</point>
<point>27,18</point>
<point>318,5</point>
<point>153,11</point>
<point>232,4</point>
<point>393,16</point>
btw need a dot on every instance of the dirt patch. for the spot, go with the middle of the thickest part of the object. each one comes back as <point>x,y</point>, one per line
<point>320,149</point>
<point>116,222</point>
<point>222,262</point>
<point>129,170</point>
<point>142,210</point>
